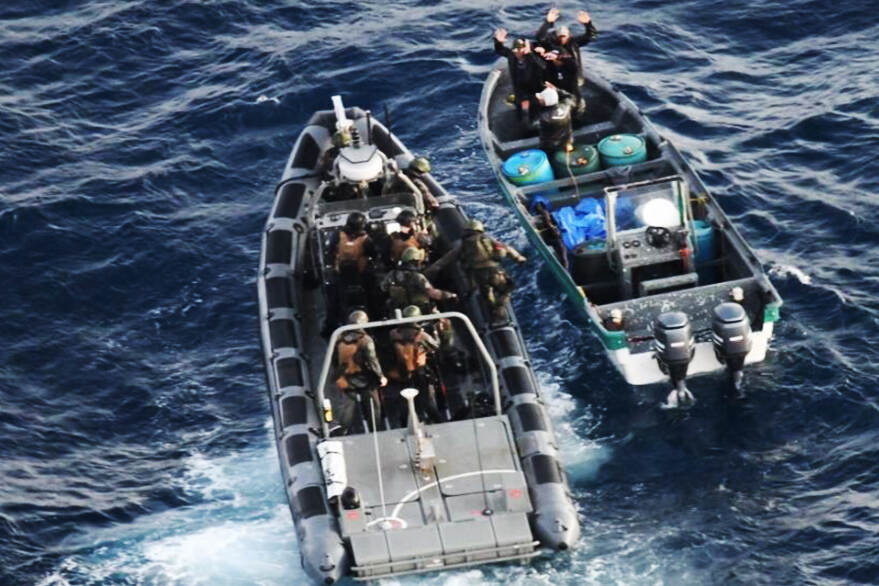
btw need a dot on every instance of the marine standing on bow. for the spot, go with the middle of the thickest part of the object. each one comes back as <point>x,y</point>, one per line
<point>359,376</point>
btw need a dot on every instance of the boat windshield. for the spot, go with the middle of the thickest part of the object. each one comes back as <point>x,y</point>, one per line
<point>635,206</point>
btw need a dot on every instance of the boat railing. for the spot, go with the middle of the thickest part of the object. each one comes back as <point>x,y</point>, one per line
<point>334,337</point>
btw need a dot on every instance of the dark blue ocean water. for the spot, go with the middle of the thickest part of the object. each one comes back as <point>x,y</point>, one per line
<point>141,144</point>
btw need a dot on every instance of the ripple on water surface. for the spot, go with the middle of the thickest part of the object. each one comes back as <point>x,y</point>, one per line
<point>142,146</point>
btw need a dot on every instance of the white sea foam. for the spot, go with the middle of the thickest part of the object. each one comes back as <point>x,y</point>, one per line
<point>240,533</point>
<point>790,270</point>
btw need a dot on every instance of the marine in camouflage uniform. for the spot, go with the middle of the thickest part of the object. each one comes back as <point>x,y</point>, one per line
<point>358,374</point>
<point>479,256</point>
<point>413,348</point>
<point>407,236</point>
<point>405,285</point>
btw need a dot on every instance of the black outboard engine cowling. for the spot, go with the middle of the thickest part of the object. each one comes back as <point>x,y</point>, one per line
<point>674,346</point>
<point>732,339</point>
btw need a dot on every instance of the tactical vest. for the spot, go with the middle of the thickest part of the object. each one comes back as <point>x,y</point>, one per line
<point>347,349</point>
<point>352,250</point>
<point>411,353</point>
<point>407,287</point>
<point>478,252</point>
<point>398,244</point>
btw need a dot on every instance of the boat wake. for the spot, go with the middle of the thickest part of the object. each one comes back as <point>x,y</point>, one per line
<point>238,532</point>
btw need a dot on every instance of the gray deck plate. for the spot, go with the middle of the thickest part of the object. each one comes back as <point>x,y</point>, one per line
<point>476,534</point>
<point>458,455</point>
<point>456,463</point>
<point>464,532</point>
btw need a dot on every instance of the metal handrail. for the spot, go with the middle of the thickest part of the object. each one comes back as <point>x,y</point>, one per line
<point>331,348</point>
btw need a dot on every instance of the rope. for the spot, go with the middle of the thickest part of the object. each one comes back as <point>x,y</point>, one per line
<point>571,173</point>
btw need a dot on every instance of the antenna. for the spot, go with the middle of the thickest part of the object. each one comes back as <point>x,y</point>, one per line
<point>378,463</point>
<point>388,119</point>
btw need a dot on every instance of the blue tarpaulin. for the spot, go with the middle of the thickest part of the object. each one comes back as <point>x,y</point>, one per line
<point>582,222</point>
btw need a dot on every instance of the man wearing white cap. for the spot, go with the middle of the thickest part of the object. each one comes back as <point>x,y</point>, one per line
<point>555,119</point>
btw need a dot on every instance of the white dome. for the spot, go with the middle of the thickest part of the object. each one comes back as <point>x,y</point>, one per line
<point>363,163</point>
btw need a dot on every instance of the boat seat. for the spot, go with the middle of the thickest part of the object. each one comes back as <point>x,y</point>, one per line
<point>665,284</point>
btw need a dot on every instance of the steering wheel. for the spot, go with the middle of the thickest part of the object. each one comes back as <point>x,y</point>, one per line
<point>658,236</point>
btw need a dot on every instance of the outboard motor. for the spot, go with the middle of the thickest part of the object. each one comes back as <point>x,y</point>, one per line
<point>674,346</point>
<point>732,340</point>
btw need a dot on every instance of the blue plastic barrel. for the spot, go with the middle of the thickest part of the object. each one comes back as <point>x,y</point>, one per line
<point>706,250</point>
<point>622,149</point>
<point>528,167</point>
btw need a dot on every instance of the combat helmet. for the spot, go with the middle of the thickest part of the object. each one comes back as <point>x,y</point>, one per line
<point>358,317</point>
<point>356,223</point>
<point>341,138</point>
<point>475,226</point>
<point>405,218</point>
<point>411,311</point>
<point>420,164</point>
<point>412,254</point>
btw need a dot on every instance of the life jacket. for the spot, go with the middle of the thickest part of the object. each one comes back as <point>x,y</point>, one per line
<point>348,357</point>
<point>400,241</point>
<point>478,252</point>
<point>352,249</point>
<point>407,287</point>
<point>411,352</point>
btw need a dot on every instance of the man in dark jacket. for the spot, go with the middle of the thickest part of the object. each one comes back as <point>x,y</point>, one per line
<point>526,70</point>
<point>565,50</point>
<point>556,131</point>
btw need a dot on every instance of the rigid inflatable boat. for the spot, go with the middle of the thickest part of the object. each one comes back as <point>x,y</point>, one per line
<point>634,238</point>
<point>486,484</point>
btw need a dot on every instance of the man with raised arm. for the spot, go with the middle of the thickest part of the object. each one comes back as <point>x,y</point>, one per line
<point>565,50</point>
<point>526,71</point>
